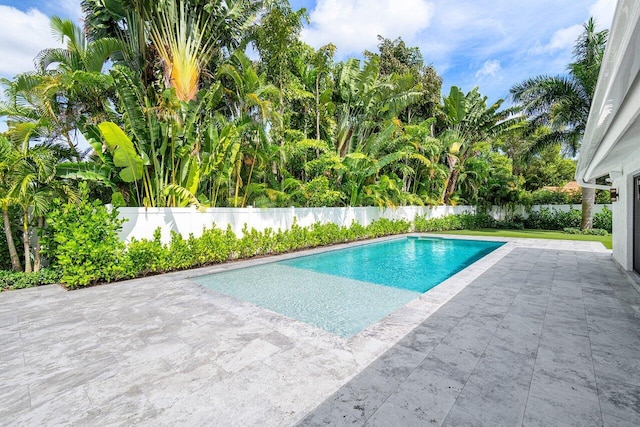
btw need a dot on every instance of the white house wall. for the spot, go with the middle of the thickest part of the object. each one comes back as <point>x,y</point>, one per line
<point>623,211</point>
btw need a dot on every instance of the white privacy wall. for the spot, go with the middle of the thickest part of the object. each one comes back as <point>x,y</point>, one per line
<point>141,222</point>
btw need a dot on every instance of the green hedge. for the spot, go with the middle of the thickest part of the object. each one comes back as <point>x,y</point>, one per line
<point>465,221</point>
<point>552,219</point>
<point>83,246</point>
<point>10,280</point>
<point>145,256</point>
<point>603,220</point>
<point>591,232</point>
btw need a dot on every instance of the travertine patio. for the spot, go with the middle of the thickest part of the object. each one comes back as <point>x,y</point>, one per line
<point>537,333</point>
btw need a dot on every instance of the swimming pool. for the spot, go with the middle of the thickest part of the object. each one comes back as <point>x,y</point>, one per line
<point>344,291</point>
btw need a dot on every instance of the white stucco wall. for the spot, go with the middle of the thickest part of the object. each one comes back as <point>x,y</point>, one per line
<point>141,222</point>
<point>623,212</point>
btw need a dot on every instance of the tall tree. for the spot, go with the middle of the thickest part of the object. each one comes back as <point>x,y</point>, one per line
<point>74,88</point>
<point>276,38</point>
<point>8,160</point>
<point>562,103</point>
<point>172,33</point>
<point>470,122</point>
<point>365,100</point>
<point>397,58</point>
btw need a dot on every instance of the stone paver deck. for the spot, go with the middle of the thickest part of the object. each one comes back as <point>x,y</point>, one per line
<point>537,333</point>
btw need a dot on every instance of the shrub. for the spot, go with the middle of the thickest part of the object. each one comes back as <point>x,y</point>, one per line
<point>465,221</point>
<point>179,253</point>
<point>385,227</point>
<point>592,232</point>
<point>212,246</point>
<point>10,280</point>
<point>515,222</point>
<point>553,219</point>
<point>82,243</point>
<point>603,197</point>
<point>147,256</point>
<point>548,197</point>
<point>603,220</point>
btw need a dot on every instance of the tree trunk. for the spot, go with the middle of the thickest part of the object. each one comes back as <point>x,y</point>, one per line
<point>13,253</point>
<point>452,180</point>
<point>318,106</point>
<point>25,238</point>
<point>344,149</point>
<point>588,200</point>
<point>37,261</point>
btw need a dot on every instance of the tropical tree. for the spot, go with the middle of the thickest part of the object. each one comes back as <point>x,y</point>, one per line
<point>28,116</point>
<point>562,103</point>
<point>276,39</point>
<point>8,158</point>
<point>312,95</point>
<point>249,104</point>
<point>470,122</point>
<point>186,40</point>
<point>397,58</point>
<point>365,100</point>
<point>32,184</point>
<point>74,89</point>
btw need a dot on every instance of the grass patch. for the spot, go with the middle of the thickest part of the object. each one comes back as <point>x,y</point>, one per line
<point>534,234</point>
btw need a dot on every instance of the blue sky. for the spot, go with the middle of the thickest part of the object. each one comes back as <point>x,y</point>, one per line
<point>487,43</point>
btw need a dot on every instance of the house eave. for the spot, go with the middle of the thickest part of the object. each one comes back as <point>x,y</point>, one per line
<point>616,103</point>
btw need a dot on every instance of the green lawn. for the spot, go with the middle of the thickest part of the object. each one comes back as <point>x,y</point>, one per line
<point>533,234</point>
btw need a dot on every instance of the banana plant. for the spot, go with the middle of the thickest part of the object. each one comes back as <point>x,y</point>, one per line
<point>471,122</point>
<point>364,99</point>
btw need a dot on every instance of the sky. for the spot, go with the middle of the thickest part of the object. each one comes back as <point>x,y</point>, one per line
<point>491,44</point>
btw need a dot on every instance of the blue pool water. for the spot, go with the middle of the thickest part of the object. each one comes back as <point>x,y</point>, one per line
<point>415,264</point>
<point>345,291</point>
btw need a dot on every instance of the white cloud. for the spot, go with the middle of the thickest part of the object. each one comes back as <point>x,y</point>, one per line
<point>564,38</point>
<point>70,8</point>
<point>602,11</point>
<point>489,69</point>
<point>22,36</point>
<point>353,26</point>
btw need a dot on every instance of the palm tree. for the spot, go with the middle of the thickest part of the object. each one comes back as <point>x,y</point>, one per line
<point>562,103</point>
<point>34,185</point>
<point>8,157</point>
<point>74,89</point>
<point>26,110</point>
<point>248,101</point>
